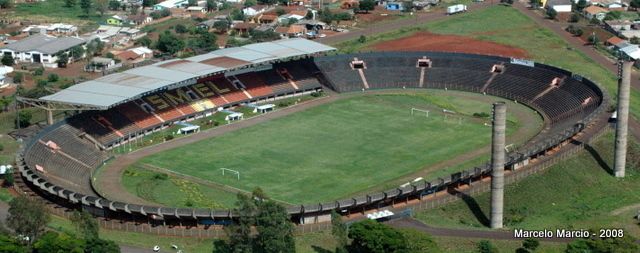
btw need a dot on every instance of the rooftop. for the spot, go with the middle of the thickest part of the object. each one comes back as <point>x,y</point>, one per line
<point>595,9</point>
<point>111,90</point>
<point>44,44</point>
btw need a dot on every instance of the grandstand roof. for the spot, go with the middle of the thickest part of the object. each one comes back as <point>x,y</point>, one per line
<point>114,89</point>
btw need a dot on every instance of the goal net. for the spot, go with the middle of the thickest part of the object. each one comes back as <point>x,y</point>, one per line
<point>419,112</point>
<point>230,171</point>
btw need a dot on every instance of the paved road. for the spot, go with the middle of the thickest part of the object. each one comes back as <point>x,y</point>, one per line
<point>397,24</point>
<point>578,44</point>
<point>464,233</point>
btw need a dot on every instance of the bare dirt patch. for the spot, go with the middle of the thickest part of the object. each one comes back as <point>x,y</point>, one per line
<point>424,41</point>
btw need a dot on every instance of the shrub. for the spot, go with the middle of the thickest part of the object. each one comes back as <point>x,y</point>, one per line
<point>160,176</point>
<point>481,115</point>
<point>53,78</point>
<point>17,78</point>
<point>8,179</point>
<point>168,137</point>
<point>39,71</point>
<point>362,39</point>
<point>1,147</point>
<point>42,83</point>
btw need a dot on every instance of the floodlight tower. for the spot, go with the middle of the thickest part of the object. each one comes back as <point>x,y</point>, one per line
<point>497,163</point>
<point>622,117</point>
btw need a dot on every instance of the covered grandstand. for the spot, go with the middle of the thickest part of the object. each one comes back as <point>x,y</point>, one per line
<point>59,160</point>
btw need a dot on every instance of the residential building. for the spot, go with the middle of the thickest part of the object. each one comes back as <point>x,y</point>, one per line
<point>139,19</point>
<point>560,6</point>
<point>243,28</point>
<point>254,10</point>
<point>116,20</point>
<point>595,11</point>
<point>168,4</point>
<point>292,31</point>
<point>41,48</point>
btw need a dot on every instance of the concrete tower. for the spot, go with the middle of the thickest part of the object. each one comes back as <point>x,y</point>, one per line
<point>497,163</point>
<point>622,125</point>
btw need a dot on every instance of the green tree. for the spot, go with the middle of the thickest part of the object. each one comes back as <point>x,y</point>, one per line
<point>53,78</point>
<point>52,242</point>
<point>407,6</point>
<point>634,40</point>
<point>268,2</point>
<point>180,28</point>
<point>6,4</point>
<point>41,83</point>
<point>85,225</point>
<point>326,15</point>
<point>535,3</point>
<point>280,11</point>
<point>367,5</point>
<point>362,39</point>
<point>249,3</point>
<point>419,242</point>
<point>239,233</point>
<point>7,60</point>
<point>237,14</point>
<point>486,246</point>
<point>340,232</point>
<point>77,52</point>
<point>578,32</point>
<point>192,2</point>
<point>374,237</point>
<point>149,3</point>
<point>594,21</point>
<point>63,60</point>
<point>169,43</point>
<point>581,5</point>
<point>635,4</point>
<point>574,18</point>
<point>17,77</point>
<point>86,6</point>
<point>69,3</point>
<point>114,5</point>
<point>205,41</point>
<point>613,15</point>
<point>27,217</point>
<point>144,41</point>
<point>310,14</point>
<point>275,230</point>
<point>530,244</point>
<point>593,39</point>
<point>98,245</point>
<point>260,36</point>
<point>8,179</point>
<point>221,26</point>
<point>211,5</point>
<point>551,13</point>
<point>101,6</point>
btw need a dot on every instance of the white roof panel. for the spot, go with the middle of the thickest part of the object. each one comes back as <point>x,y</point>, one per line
<point>110,90</point>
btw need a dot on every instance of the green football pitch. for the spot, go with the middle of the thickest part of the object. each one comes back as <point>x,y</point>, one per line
<point>355,144</point>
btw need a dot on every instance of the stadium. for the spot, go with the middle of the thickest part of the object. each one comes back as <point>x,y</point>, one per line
<point>377,92</point>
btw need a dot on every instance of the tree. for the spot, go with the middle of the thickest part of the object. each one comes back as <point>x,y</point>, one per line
<point>211,5</point>
<point>85,225</point>
<point>509,2</point>
<point>205,41</point>
<point>102,6</point>
<point>593,39</point>
<point>634,40</point>
<point>486,246</point>
<point>6,4</point>
<point>581,5</point>
<point>8,244</point>
<point>535,3</point>
<point>98,245</point>
<point>407,6</point>
<point>27,217</point>
<point>114,5</point>
<point>275,230</point>
<point>63,60</point>
<point>52,242</point>
<point>339,232</point>
<point>149,3</point>
<point>574,18</point>
<point>551,13</point>
<point>280,11</point>
<point>362,39</point>
<point>578,32</point>
<point>635,4</point>
<point>7,60</point>
<point>8,180</point>
<point>24,119</point>
<point>192,2</point>
<point>267,2</point>
<point>374,237</point>
<point>624,244</point>
<point>239,233</point>
<point>169,43</point>
<point>419,242</point>
<point>53,78</point>
<point>310,14</point>
<point>17,78</point>
<point>260,36</point>
<point>237,14</point>
<point>594,21</point>
<point>530,244</point>
<point>221,26</point>
<point>249,3</point>
<point>180,28</point>
<point>144,41</point>
<point>326,15</point>
<point>77,52</point>
<point>613,15</point>
<point>86,6</point>
<point>69,3</point>
<point>367,5</point>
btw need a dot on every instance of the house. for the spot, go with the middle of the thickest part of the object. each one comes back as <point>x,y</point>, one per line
<point>267,19</point>
<point>60,28</point>
<point>595,11</point>
<point>41,48</point>
<point>614,41</point>
<point>394,6</point>
<point>349,4</point>
<point>632,51</point>
<point>297,15</point>
<point>116,20</point>
<point>99,64</point>
<point>168,4</point>
<point>292,31</point>
<point>254,10</point>
<point>135,54</point>
<point>197,9</point>
<point>243,28</point>
<point>312,24</point>
<point>560,6</point>
<point>35,29</point>
<point>139,19</point>
<point>207,24</point>
<point>623,28</point>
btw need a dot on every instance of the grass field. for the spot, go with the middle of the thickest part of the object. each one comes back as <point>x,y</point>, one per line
<point>356,143</point>
<point>53,11</point>
<point>508,26</point>
<point>578,193</point>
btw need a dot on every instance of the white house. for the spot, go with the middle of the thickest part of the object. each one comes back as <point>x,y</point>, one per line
<point>595,11</point>
<point>170,4</point>
<point>41,48</point>
<point>560,6</point>
<point>285,18</point>
<point>254,10</point>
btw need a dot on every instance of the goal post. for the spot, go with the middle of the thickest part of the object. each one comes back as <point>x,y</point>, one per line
<point>419,111</point>
<point>237,173</point>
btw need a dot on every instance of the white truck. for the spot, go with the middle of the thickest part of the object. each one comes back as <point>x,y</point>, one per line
<point>453,9</point>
